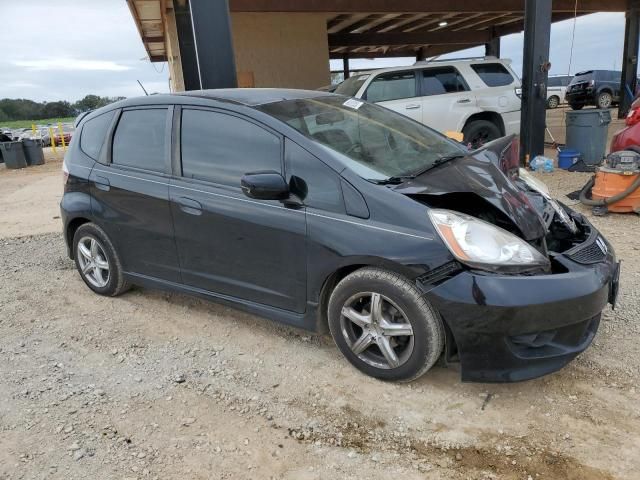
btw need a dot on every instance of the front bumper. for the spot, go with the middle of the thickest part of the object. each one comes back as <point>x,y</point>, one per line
<point>580,97</point>
<point>513,328</point>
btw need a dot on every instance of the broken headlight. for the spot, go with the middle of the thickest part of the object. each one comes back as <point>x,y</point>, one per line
<point>480,244</point>
<point>538,186</point>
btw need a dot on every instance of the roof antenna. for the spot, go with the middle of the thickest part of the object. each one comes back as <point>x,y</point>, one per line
<point>142,87</point>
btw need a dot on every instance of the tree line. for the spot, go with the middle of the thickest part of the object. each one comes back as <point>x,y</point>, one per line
<point>23,109</point>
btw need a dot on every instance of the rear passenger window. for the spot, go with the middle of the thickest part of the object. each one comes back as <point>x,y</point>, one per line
<point>493,74</point>
<point>93,133</point>
<point>392,86</point>
<point>221,148</point>
<point>316,184</point>
<point>139,140</point>
<point>438,81</point>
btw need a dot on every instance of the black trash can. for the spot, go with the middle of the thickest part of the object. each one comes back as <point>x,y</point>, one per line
<point>33,151</point>
<point>13,154</point>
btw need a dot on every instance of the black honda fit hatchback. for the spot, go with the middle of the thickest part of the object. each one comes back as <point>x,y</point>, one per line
<point>330,213</point>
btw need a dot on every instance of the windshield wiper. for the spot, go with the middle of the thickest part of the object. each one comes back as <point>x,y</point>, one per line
<point>438,161</point>
<point>397,179</point>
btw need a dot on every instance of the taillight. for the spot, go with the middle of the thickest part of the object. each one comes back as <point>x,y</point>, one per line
<point>65,172</point>
<point>633,117</point>
<point>519,92</point>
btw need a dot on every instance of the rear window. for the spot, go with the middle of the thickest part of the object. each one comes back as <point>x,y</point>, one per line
<point>93,133</point>
<point>438,81</point>
<point>493,74</point>
<point>351,85</point>
<point>139,140</point>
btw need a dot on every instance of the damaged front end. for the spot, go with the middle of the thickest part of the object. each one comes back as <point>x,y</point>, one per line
<point>539,304</point>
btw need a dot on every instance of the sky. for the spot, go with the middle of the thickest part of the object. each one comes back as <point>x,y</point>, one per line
<point>66,49</point>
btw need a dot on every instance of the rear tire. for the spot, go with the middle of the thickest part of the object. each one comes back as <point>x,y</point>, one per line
<point>479,132</point>
<point>400,342</point>
<point>553,102</point>
<point>604,100</point>
<point>97,261</point>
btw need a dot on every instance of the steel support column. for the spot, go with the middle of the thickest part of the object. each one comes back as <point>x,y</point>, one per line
<point>421,54</point>
<point>630,58</point>
<point>345,65</point>
<point>535,72</point>
<point>492,48</point>
<point>188,58</point>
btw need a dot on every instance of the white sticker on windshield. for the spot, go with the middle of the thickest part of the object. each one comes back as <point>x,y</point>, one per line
<point>353,103</point>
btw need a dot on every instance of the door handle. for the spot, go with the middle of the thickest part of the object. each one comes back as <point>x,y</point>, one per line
<point>189,205</point>
<point>464,100</point>
<point>412,106</point>
<point>102,183</point>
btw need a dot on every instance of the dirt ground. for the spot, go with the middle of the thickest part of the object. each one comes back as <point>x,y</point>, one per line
<point>163,386</point>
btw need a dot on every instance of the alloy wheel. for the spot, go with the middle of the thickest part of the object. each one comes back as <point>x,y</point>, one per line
<point>93,262</point>
<point>377,330</point>
<point>604,100</point>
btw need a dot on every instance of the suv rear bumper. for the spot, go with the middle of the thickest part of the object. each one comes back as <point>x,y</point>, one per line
<point>513,328</point>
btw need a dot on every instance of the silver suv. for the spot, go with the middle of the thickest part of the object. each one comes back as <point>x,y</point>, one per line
<point>475,96</point>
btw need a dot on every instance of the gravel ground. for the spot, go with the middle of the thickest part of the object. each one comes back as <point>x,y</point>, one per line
<point>156,385</point>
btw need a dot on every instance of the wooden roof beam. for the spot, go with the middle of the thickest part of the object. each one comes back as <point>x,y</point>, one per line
<point>417,6</point>
<point>413,38</point>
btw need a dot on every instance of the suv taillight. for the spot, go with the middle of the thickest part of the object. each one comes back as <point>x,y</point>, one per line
<point>65,172</point>
<point>518,92</point>
<point>633,117</point>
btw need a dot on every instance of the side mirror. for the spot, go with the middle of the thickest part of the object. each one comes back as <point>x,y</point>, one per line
<point>268,185</point>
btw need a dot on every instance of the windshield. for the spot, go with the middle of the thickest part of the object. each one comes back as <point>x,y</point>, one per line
<point>374,142</point>
<point>351,85</point>
<point>582,77</point>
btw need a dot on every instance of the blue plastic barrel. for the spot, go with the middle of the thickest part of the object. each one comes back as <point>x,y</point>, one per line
<point>568,157</point>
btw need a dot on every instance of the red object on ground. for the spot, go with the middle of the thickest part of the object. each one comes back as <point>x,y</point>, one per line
<point>630,135</point>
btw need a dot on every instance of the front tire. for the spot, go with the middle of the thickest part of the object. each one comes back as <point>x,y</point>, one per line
<point>384,326</point>
<point>553,102</point>
<point>97,261</point>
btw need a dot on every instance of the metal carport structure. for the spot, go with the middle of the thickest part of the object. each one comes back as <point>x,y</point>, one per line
<point>197,38</point>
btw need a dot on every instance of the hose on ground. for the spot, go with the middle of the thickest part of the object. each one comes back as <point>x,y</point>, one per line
<point>606,201</point>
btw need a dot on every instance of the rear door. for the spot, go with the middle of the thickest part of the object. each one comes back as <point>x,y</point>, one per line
<point>229,244</point>
<point>446,98</point>
<point>398,91</point>
<point>131,192</point>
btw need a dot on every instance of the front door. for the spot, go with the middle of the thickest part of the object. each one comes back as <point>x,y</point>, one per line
<point>229,244</point>
<point>397,91</point>
<point>131,193</point>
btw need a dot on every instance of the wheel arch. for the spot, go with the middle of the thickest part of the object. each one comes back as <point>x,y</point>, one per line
<point>491,116</point>
<point>70,231</point>
<point>333,278</point>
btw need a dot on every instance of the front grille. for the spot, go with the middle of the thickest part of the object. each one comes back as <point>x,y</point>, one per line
<point>589,252</point>
<point>438,274</point>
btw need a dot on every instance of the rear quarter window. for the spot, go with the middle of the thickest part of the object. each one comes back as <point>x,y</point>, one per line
<point>493,74</point>
<point>93,134</point>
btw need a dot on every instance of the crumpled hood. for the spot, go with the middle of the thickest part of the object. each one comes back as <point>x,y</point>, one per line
<point>478,174</point>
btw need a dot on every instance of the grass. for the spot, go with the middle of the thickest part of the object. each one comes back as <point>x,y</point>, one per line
<point>28,123</point>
